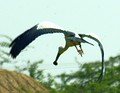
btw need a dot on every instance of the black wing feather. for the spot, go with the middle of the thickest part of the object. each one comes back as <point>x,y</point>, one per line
<point>101,49</point>
<point>20,42</point>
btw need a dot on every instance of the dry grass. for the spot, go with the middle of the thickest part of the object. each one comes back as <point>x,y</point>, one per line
<point>15,82</point>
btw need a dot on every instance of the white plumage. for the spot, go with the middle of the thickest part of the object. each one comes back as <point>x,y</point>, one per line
<point>47,24</point>
<point>24,39</point>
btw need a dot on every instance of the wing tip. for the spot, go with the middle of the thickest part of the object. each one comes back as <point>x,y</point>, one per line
<point>13,55</point>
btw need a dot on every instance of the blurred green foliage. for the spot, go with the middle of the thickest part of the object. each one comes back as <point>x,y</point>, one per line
<point>82,81</point>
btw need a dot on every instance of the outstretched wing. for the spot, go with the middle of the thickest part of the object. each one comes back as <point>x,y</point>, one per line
<point>101,49</point>
<point>20,42</point>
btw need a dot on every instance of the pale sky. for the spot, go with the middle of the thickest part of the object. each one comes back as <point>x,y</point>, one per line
<point>101,17</point>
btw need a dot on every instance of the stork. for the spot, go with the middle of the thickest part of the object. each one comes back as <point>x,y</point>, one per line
<point>24,39</point>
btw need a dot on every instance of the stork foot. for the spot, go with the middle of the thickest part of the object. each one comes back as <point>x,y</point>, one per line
<point>55,63</point>
<point>80,52</point>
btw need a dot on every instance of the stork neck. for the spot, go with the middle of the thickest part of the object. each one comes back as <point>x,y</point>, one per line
<point>63,49</point>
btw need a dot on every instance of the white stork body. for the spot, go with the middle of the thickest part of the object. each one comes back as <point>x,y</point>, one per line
<point>20,42</point>
<point>40,29</point>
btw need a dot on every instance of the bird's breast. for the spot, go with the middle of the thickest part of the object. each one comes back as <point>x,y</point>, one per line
<point>72,43</point>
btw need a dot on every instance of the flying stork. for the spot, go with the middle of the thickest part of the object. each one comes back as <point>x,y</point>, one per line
<point>24,39</point>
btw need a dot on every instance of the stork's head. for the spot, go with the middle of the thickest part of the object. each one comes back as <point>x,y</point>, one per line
<point>60,51</point>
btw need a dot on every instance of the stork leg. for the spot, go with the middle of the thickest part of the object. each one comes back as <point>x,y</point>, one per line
<point>80,51</point>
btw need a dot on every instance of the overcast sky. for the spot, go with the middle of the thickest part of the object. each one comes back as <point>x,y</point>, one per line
<point>101,17</point>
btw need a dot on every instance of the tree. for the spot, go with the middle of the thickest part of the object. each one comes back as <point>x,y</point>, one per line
<point>3,50</point>
<point>82,81</point>
<point>20,82</point>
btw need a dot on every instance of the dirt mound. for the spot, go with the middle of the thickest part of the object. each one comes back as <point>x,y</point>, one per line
<point>15,82</point>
